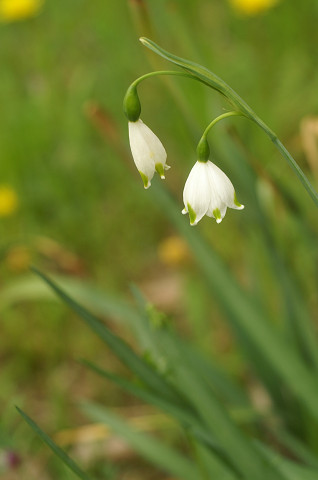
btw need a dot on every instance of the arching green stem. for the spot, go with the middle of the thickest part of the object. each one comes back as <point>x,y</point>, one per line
<point>213,81</point>
<point>220,117</point>
<point>162,72</point>
<point>203,149</point>
<point>132,106</point>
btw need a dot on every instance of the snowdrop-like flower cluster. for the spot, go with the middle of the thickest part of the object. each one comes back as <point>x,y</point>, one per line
<point>208,191</point>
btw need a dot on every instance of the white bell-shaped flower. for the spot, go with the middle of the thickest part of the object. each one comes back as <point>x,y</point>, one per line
<point>148,152</point>
<point>208,191</point>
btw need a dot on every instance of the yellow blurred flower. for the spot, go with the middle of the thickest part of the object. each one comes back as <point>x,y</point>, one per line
<point>8,201</point>
<point>13,10</point>
<point>18,258</point>
<point>252,7</point>
<point>173,251</point>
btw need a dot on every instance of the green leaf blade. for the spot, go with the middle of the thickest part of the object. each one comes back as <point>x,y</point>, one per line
<point>123,351</point>
<point>246,318</point>
<point>68,461</point>
<point>154,450</point>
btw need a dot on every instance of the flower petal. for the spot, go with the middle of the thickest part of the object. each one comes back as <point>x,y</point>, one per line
<point>145,180</point>
<point>160,169</point>
<point>223,189</point>
<point>222,184</point>
<point>140,149</point>
<point>237,204</point>
<point>157,150</point>
<point>218,212</point>
<point>196,193</point>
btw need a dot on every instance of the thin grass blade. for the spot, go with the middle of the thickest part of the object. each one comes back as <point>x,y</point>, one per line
<point>211,375</point>
<point>244,314</point>
<point>289,469</point>
<point>68,461</point>
<point>168,459</point>
<point>122,350</point>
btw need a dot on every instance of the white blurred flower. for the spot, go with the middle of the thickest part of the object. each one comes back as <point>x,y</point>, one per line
<point>148,152</point>
<point>208,191</point>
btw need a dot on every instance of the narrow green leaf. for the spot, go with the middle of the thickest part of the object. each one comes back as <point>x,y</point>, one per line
<point>297,317</point>
<point>297,448</point>
<point>30,288</point>
<point>289,469</point>
<point>55,448</point>
<point>209,78</point>
<point>213,455</point>
<point>244,314</point>
<point>187,418</point>
<point>168,459</point>
<point>158,341</point>
<point>300,324</point>
<point>212,466</point>
<point>123,351</point>
<point>239,449</point>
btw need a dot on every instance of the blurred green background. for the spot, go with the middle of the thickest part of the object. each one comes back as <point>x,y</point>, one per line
<point>72,202</point>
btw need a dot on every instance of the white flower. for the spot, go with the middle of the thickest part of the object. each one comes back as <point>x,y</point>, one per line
<point>148,152</point>
<point>208,191</point>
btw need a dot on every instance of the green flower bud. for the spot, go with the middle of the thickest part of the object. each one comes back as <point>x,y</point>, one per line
<point>132,107</point>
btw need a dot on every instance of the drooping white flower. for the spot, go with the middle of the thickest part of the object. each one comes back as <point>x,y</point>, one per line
<point>148,152</point>
<point>208,191</point>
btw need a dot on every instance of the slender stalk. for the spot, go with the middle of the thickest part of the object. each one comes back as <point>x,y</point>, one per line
<point>213,81</point>
<point>220,117</point>
<point>163,72</point>
<point>302,177</point>
<point>203,149</point>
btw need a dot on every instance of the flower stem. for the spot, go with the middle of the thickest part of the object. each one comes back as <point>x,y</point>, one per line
<point>213,81</point>
<point>220,117</point>
<point>163,72</point>
<point>302,177</point>
<point>203,149</point>
<point>171,73</point>
<point>131,104</point>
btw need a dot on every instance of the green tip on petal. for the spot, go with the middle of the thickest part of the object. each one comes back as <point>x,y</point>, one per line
<point>145,180</point>
<point>160,169</point>
<point>217,215</point>
<point>237,203</point>
<point>192,215</point>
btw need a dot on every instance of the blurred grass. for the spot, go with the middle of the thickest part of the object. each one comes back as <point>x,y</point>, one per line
<point>73,186</point>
